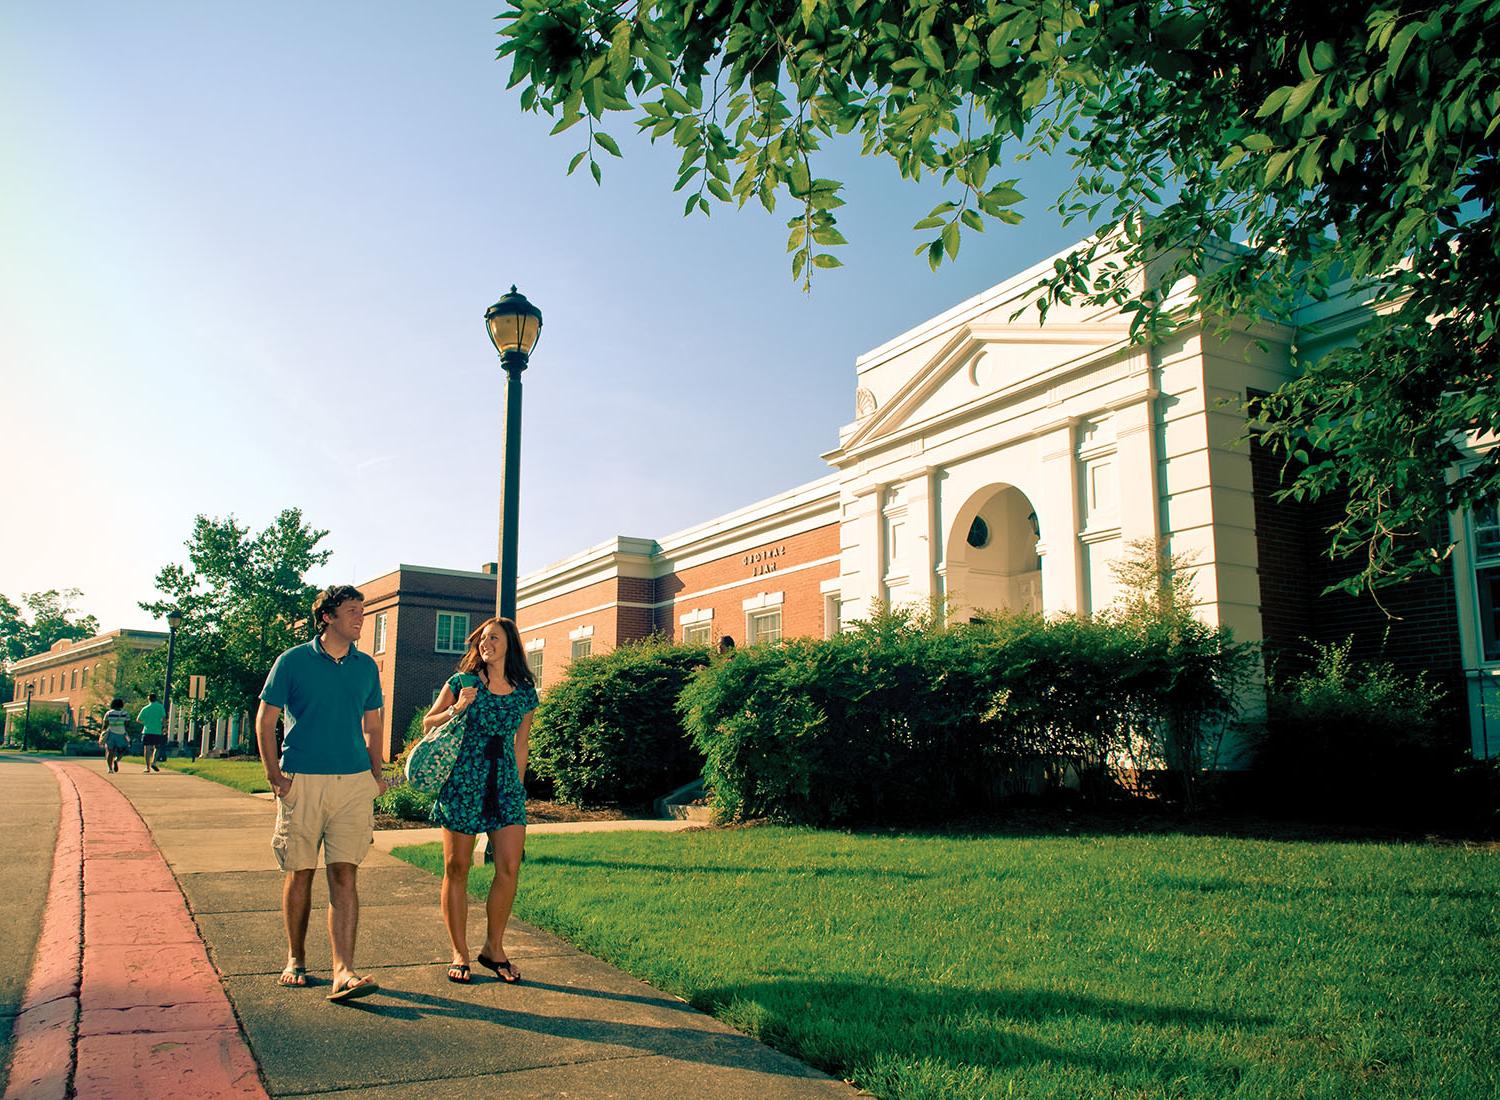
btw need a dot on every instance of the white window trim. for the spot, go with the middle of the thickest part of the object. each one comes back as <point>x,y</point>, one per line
<point>696,616</point>
<point>536,643</point>
<point>379,641</point>
<point>580,632</point>
<point>763,601</point>
<point>752,615</point>
<point>436,622</point>
<point>705,626</point>
<point>829,629</point>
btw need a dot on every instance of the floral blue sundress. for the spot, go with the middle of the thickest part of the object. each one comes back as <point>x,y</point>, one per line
<point>488,750</point>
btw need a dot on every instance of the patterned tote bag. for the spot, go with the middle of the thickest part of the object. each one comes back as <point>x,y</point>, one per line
<point>431,762</point>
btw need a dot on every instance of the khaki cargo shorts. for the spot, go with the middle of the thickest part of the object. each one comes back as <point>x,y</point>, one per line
<point>336,812</point>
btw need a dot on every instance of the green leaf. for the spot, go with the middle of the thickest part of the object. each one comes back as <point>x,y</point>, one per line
<point>950,239</point>
<point>1323,57</point>
<point>576,161</point>
<point>1274,102</point>
<point>1300,97</point>
<point>607,142</point>
<point>935,254</point>
<point>598,172</point>
<point>1258,142</point>
<point>1399,45</point>
<point>823,259</point>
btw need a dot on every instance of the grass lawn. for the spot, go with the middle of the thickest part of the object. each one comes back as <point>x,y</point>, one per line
<point>242,775</point>
<point>928,966</point>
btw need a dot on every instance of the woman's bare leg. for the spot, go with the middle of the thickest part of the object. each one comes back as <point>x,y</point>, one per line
<point>505,846</point>
<point>458,857</point>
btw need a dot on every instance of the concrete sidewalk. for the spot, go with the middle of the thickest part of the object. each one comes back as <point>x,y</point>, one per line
<point>575,1027</point>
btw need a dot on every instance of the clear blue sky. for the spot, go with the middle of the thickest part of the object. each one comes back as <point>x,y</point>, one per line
<point>244,258</point>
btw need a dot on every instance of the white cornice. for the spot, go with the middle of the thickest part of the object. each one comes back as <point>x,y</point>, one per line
<point>1105,343</point>
<point>98,644</point>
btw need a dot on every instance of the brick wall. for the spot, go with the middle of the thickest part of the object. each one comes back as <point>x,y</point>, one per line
<point>802,607</point>
<point>1419,633</point>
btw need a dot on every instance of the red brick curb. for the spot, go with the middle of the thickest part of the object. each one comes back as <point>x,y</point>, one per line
<point>46,1028</point>
<point>144,1014</point>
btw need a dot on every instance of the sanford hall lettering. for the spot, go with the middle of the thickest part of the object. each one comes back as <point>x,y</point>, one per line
<point>764,561</point>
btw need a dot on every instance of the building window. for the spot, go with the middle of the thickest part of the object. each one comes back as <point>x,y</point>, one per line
<point>764,626</point>
<point>1484,523</point>
<point>698,633</point>
<point>534,658</point>
<point>452,629</point>
<point>832,614</point>
<point>380,633</point>
<point>582,647</point>
<point>73,680</point>
<point>85,675</point>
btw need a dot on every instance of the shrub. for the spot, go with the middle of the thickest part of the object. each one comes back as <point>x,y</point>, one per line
<point>1349,737</point>
<point>48,729</point>
<point>405,802</point>
<point>900,718</point>
<point>609,731</point>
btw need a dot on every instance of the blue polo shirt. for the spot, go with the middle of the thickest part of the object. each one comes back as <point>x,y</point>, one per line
<point>324,702</point>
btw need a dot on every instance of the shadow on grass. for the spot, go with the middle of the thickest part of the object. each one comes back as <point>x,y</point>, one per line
<point>870,1024</point>
<point>778,870</point>
<point>1050,824</point>
<point>1219,885</point>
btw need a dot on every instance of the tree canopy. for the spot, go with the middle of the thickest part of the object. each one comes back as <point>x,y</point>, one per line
<point>1350,141</point>
<point>240,596</point>
<point>44,618</point>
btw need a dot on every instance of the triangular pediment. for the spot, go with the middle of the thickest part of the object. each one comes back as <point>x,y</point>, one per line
<point>983,363</point>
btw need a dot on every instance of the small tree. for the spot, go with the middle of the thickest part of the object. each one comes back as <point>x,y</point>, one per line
<point>1195,675</point>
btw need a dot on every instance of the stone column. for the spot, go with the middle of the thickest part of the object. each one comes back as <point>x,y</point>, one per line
<point>1057,515</point>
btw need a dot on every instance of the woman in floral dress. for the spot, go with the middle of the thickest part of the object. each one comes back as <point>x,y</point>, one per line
<point>494,687</point>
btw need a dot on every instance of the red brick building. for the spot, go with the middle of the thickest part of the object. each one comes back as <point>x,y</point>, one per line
<point>77,678</point>
<point>416,620</point>
<point>766,571</point>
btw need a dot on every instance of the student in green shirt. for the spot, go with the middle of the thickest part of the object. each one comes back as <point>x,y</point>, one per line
<point>153,737</point>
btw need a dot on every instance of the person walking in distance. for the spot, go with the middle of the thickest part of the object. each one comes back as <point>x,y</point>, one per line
<point>153,738</point>
<point>116,736</point>
<point>484,793</point>
<point>325,780</point>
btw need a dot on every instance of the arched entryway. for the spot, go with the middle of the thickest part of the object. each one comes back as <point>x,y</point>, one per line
<point>992,561</point>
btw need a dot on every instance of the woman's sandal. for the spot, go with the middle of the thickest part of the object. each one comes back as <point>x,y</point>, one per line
<point>293,977</point>
<point>505,970</point>
<point>458,973</point>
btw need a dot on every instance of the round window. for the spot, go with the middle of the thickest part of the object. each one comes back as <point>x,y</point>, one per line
<point>979,534</point>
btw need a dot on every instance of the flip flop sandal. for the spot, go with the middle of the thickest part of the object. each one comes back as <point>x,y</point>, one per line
<point>361,988</point>
<point>299,977</point>
<point>458,973</point>
<point>505,970</point>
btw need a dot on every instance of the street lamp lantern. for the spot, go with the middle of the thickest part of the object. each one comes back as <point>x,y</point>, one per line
<point>174,619</point>
<point>514,326</point>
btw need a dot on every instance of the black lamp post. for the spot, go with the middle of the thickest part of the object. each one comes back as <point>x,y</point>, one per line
<point>514,325</point>
<point>174,620</point>
<point>26,729</point>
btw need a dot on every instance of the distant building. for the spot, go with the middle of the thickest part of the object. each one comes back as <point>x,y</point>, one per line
<point>77,678</point>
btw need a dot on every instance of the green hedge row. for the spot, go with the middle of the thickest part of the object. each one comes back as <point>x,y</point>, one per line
<point>610,732</point>
<point>897,719</point>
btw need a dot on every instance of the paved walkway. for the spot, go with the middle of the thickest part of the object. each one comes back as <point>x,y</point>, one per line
<point>576,1027</point>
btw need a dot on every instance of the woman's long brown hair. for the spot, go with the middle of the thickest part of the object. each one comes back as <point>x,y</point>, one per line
<point>517,671</point>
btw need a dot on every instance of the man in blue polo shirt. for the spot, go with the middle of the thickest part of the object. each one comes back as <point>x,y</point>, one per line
<point>326,779</point>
